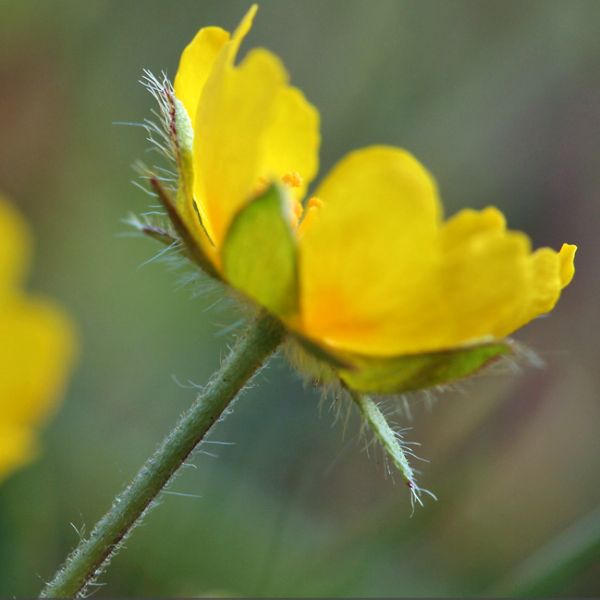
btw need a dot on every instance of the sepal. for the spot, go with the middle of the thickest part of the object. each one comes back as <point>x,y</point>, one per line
<point>259,255</point>
<point>399,374</point>
<point>407,373</point>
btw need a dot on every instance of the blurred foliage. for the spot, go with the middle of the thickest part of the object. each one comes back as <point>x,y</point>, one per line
<point>500,99</point>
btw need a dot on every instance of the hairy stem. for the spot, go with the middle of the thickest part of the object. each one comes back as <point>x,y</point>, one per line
<point>93,554</point>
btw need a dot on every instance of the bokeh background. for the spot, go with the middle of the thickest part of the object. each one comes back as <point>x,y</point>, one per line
<point>501,100</point>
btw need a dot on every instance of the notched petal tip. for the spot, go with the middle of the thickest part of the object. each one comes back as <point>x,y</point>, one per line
<point>467,224</point>
<point>551,271</point>
<point>566,258</point>
<point>495,218</point>
<point>245,24</point>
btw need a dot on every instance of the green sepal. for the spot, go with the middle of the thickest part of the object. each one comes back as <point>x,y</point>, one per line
<point>259,255</point>
<point>407,373</point>
<point>183,141</point>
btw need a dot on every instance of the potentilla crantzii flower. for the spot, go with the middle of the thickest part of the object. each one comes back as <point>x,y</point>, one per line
<point>36,349</point>
<point>376,289</point>
<point>366,272</point>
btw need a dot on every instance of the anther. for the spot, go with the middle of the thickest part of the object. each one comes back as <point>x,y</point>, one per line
<point>293,179</point>
<point>311,212</point>
<point>314,202</point>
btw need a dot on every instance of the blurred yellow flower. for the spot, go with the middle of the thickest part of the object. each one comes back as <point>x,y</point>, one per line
<point>369,268</point>
<point>36,349</point>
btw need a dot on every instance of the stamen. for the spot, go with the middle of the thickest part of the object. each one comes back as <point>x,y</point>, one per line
<point>293,179</point>
<point>314,202</point>
<point>311,212</point>
<point>297,210</point>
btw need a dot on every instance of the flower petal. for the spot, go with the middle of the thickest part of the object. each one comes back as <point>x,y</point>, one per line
<point>493,284</point>
<point>550,272</point>
<point>195,65</point>
<point>37,349</point>
<point>233,114</point>
<point>291,141</point>
<point>366,258</point>
<point>399,374</point>
<point>484,278</point>
<point>567,264</point>
<point>200,57</point>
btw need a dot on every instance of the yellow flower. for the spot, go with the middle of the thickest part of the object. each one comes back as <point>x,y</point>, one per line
<point>368,275</point>
<point>36,349</point>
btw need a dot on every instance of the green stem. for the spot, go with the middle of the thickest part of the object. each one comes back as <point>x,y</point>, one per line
<point>93,554</point>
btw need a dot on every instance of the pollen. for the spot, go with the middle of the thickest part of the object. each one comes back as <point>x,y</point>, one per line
<point>292,179</point>
<point>314,202</point>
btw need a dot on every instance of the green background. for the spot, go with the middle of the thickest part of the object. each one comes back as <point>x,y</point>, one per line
<point>500,99</point>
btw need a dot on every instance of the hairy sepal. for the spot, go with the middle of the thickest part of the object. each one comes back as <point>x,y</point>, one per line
<point>399,374</point>
<point>393,375</point>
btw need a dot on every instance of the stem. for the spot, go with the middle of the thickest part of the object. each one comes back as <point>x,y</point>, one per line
<point>93,554</point>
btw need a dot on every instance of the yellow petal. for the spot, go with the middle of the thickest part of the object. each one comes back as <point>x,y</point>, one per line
<point>291,142</point>
<point>200,56</point>
<point>195,65</point>
<point>545,285</point>
<point>377,281</point>
<point>234,112</point>
<point>367,257</point>
<point>484,279</point>
<point>36,354</point>
<point>550,272</point>
<point>241,32</point>
<point>468,223</point>
<point>15,247</point>
<point>567,265</point>
<point>493,283</point>
<point>36,349</point>
<point>250,128</point>
<point>17,447</point>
